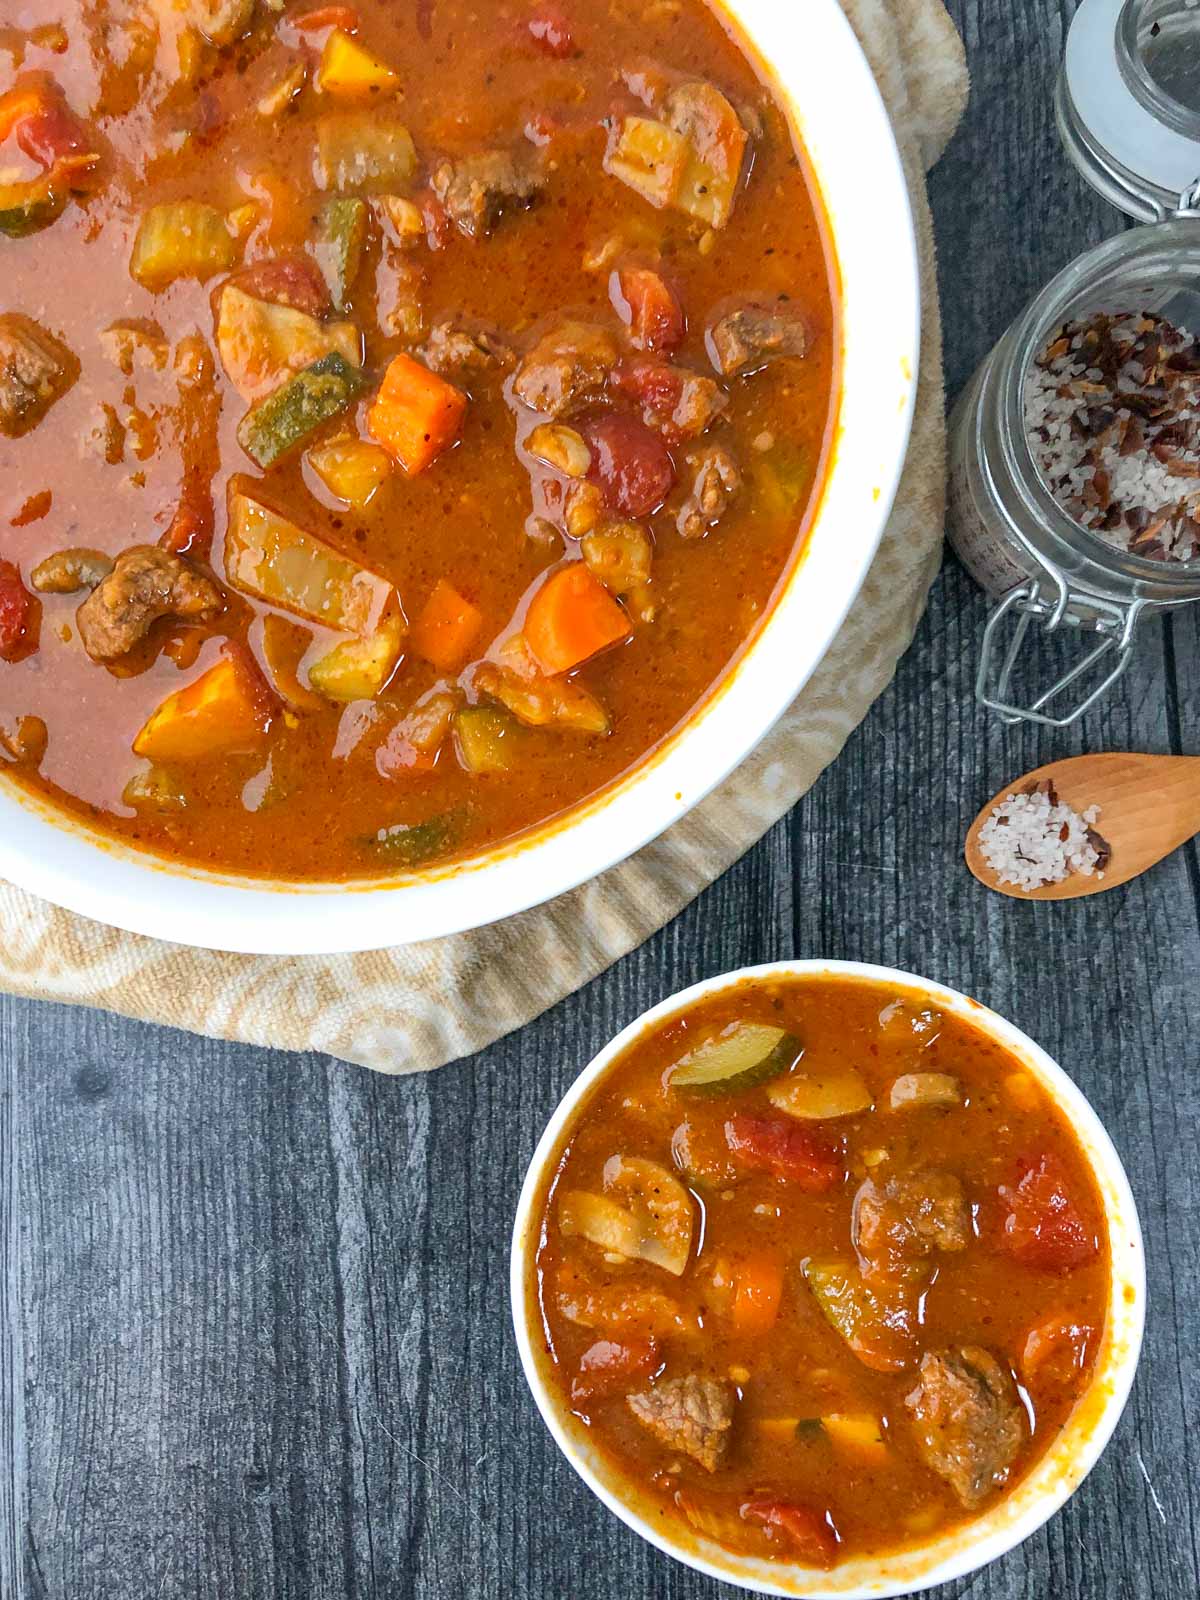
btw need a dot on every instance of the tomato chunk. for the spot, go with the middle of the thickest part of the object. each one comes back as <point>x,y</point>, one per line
<point>609,1363</point>
<point>1057,1351</point>
<point>37,115</point>
<point>647,305</point>
<point>18,614</point>
<point>343,17</point>
<point>551,32</point>
<point>1045,1225</point>
<point>785,1149</point>
<point>653,384</point>
<point>191,528</point>
<point>291,281</point>
<point>679,403</point>
<point>630,463</point>
<point>811,1534</point>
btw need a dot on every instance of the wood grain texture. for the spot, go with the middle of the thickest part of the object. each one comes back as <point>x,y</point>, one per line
<point>254,1339</point>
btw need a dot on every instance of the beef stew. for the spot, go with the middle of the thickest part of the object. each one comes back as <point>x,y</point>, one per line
<point>405,422</point>
<point>800,1313</point>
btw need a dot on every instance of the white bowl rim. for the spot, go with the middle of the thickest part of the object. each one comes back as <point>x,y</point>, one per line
<point>1043,1491</point>
<point>56,856</point>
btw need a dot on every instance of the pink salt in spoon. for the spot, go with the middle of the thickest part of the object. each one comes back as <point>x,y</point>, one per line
<point>1148,805</point>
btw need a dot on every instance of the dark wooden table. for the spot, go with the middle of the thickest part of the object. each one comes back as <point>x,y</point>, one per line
<point>254,1329</point>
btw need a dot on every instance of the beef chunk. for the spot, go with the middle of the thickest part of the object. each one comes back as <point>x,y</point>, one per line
<point>477,190</point>
<point>693,1415</point>
<point>36,369</point>
<point>967,1420</point>
<point>452,347</point>
<point>714,487</point>
<point>901,1221</point>
<point>567,368</point>
<point>749,336</point>
<point>146,583</point>
<point>68,571</point>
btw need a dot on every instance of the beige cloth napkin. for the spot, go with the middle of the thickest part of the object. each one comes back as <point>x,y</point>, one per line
<point>411,1009</point>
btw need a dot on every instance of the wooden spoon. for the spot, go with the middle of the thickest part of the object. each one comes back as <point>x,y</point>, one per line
<point>1149,806</point>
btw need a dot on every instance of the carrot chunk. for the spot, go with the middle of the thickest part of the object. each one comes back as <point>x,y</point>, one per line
<point>227,709</point>
<point>416,415</point>
<point>785,1149</point>
<point>447,628</point>
<point>758,1287</point>
<point>570,618</point>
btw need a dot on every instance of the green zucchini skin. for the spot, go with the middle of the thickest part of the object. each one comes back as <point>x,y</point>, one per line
<point>286,419</point>
<point>776,1061</point>
<point>341,237</point>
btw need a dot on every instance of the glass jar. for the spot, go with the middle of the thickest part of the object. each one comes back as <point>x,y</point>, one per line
<point>1005,524</point>
<point>1128,103</point>
<point>1129,112</point>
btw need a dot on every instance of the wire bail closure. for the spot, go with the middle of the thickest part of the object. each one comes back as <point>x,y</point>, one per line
<point>1189,203</point>
<point>1116,625</point>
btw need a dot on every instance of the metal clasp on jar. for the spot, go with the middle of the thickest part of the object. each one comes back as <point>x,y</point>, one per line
<point>1115,623</point>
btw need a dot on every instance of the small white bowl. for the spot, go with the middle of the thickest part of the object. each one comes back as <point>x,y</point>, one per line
<point>821,75</point>
<point>990,1535</point>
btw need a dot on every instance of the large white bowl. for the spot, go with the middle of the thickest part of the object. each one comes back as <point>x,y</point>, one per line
<point>1041,1493</point>
<point>816,62</point>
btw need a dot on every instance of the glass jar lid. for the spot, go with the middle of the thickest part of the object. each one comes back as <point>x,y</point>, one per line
<point>1129,103</point>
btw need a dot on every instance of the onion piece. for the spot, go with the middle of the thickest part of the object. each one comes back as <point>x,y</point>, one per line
<point>817,1097</point>
<point>914,1090</point>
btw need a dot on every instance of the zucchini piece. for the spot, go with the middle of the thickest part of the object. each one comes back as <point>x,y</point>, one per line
<point>359,669</point>
<point>182,239</point>
<point>360,152</point>
<point>154,789</point>
<point>270,558</point>
<point>819,1097</point>
<point>263,344</point>
<point>26,207</point>
<point>741,1055</point>
<point>351,469</point>
<point>783,478</point>
<point>881,1339</point>
<point>405,845</point>
<point>486,739</point>
<point>284,420</point>
<point>338,250</point>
